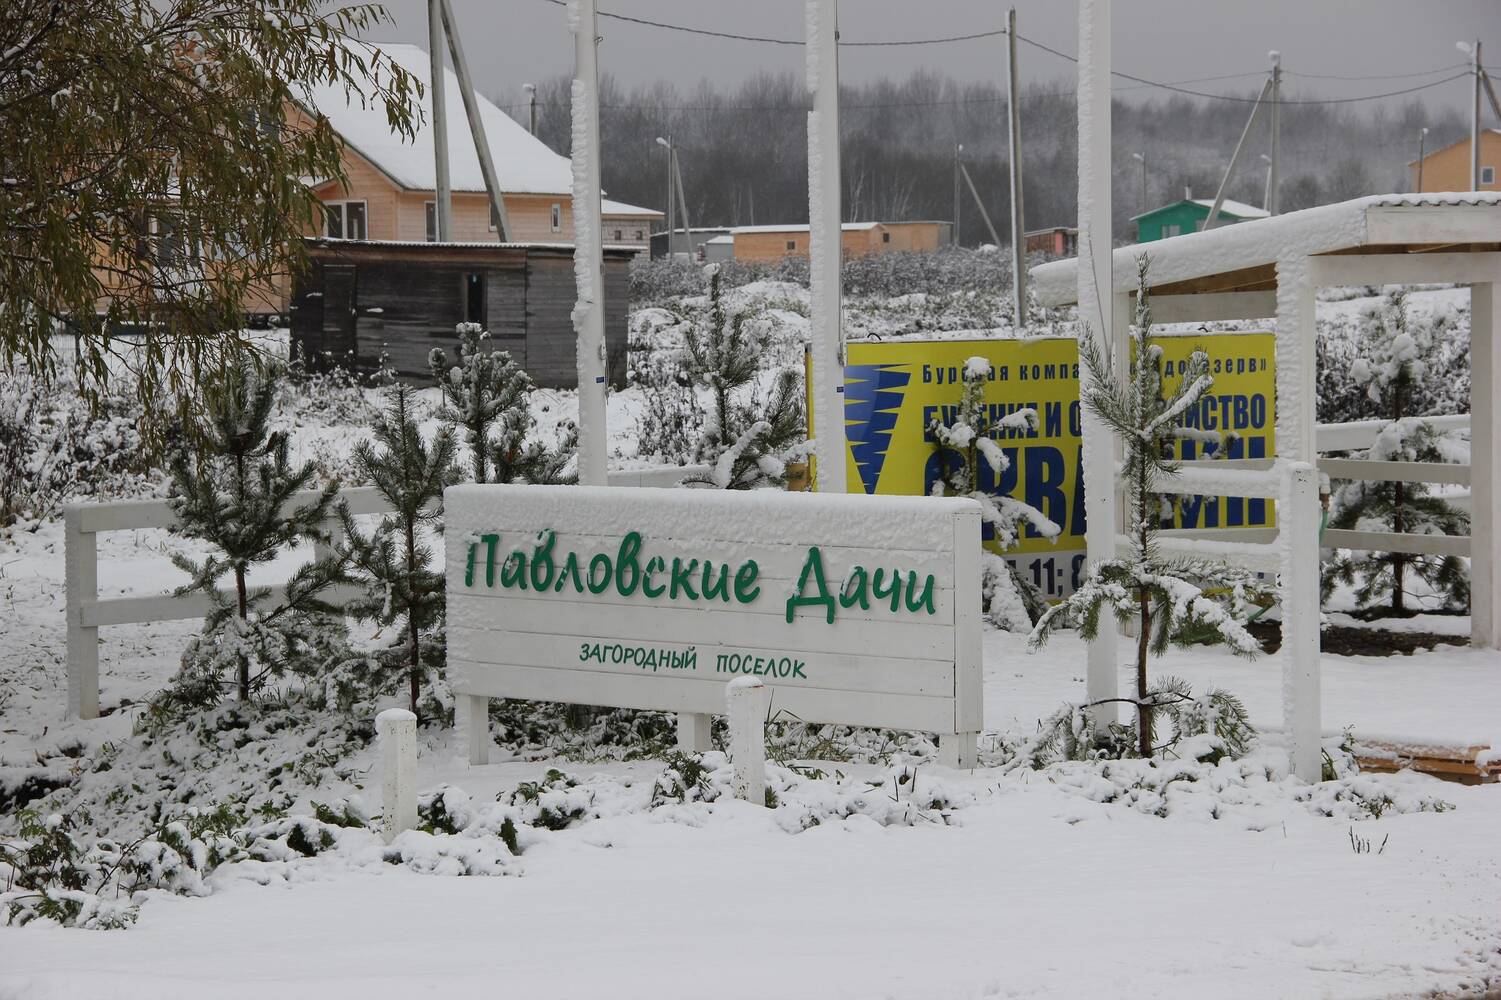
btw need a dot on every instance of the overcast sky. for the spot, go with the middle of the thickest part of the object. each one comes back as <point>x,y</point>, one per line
<point>509,42</point>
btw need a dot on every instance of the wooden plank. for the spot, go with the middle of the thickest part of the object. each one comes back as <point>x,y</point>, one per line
<point>1360,434</point>
<point>1395,472</point>
<point>1433,224</point>
<point>567,651</point>
<point>703,626</point>
<point>1213,306</point>
<point>1404,268</point>
<point>859,708</point>
<point>1267,561</point>
<point>1389,541</point>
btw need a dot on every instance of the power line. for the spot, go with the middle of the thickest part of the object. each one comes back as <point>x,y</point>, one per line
<point>1141,82</point>
<point>1380,76</point>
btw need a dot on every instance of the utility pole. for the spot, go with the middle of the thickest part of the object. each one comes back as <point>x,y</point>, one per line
<point>677,175</point>
<point>958,148</point>
<point>442,194</point>
<point>825,246</point>
<point>1473,50</point>
<point>1219,195</point>
<point>1018,213</point>
<point>1422,139</point>
<point>476,124</point>
<point>588,253</point>
<point>984,215</point>
<point>672,211</point>
<point>1142,159</point>
<point>531,106</point>
<point>1273,198</point>
<point>1266,194</point>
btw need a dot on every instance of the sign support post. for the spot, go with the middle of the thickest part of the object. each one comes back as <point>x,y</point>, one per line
<point>825,246</point>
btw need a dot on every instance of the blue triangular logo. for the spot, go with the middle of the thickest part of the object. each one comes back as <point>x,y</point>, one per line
<point>872,400</point>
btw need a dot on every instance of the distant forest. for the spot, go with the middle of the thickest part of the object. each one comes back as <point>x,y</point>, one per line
<point>743,150</point>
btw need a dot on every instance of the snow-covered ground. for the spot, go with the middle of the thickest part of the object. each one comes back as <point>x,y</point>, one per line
<point>1000,882</point>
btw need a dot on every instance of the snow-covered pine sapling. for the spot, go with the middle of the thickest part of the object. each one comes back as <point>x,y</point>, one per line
<point>1392,364</point>
<point>486,401</point>
<point>967,448</point>
<point>1169,598</point>
<point>234,491</point>
<point>394,565</point>
<point>747,440</point>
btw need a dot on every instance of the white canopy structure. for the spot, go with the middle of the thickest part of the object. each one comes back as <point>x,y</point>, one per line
<point>1271,268</point>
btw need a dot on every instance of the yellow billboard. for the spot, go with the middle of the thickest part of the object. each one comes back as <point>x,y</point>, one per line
<point>895,389</point>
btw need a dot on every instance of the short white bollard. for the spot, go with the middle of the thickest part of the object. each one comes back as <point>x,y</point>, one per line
<point>396,729</point>
<point>748,699</point>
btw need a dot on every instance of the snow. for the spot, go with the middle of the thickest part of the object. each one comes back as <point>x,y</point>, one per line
<point>1261,241</point>
<point>1232,207</point>
<point>523,163</point>
<point>610,208</point>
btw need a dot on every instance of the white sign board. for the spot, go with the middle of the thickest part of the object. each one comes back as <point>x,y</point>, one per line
<point>860,610</point>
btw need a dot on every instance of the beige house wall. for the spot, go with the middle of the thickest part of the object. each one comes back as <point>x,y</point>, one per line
<point>1448,169</point>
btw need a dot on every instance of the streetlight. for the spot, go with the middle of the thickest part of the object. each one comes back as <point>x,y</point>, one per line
<point>1142,159</point>
<point>531,100</point>
<point>1422,135</point>
<point>1266,195</point>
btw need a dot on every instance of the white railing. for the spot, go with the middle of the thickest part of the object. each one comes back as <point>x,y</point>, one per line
<point>87,612</point>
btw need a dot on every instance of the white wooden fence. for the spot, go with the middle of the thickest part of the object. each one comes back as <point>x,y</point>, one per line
<point>86,612</point>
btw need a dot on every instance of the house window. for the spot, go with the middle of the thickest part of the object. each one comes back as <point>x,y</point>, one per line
<point>792,244</point>
<point>885,237</point>
<point>1172,230</point>
<point>431,208</point>
<point>557,218</point>
<point>619,235</point>
<point>1487,175</point>
<point>640,235</point>
<point>474,298</point>
<point>345,220</point>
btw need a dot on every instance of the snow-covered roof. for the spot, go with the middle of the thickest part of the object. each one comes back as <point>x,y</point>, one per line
<point>1229,206</point>
<point>1429,218</point>
<point>608,207</point>
<point>847,227</point>
<point>523,163</point>
<point>726,238</point>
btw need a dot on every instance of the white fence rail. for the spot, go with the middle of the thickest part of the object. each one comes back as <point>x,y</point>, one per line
<point>87,612</point>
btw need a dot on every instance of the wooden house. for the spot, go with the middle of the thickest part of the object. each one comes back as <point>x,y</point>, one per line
<point>1448,167</point>
<point>772,243</point>
<point>366,303</point>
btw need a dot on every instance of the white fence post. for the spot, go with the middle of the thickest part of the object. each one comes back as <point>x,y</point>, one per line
<point>81,566</point>
<point>1485,471</point>
<point>397,730</point>
<point>477,723</point>
<point>1298,520</point>
<point>694,731</point>
<point>748,699</point>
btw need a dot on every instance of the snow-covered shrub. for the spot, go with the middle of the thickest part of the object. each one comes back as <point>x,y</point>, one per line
<point>970,453</point>
<point>401,591</point>
<point>1391,367</point>
<point>747,440</point>
<point>486,402</point>
<point>1351,350</point>
<point>554,803</point>
<point>670,425</point>
<point>230,491</point>
<point>684,778</point>
<point>53,449</point>
<point>1170,599</point>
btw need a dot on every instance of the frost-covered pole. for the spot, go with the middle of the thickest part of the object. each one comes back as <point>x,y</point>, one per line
<point>1018,214</point>
<point>1095,319</point>
<point>825,247</point>
<point>443,194</point>
<point>588,257</point>
<point>747,700</point>
<point>396,729</point>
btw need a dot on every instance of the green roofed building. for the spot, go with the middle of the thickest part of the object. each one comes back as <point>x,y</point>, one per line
<point>1188,216</point>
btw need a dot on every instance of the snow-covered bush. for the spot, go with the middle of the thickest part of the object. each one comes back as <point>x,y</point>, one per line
<point>967,447</point>
<point>1170,600</point>
<point>747,440</point>
<point>1392,368</point>
<point>486,401</point>
<point>670,424</point>
<point>53,449</point>
<point>1349,353</point>
<point>401,590</point>
<point>231,491</point>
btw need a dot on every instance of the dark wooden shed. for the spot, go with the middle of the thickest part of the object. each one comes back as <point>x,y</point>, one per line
<point>361,300</point>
